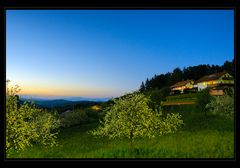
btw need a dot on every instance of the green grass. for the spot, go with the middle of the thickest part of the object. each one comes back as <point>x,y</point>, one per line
<point>182,100</point>
<point>201,137</point>
<point>182,96</point>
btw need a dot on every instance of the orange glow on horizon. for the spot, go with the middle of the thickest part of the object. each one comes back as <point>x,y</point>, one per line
<point>65,91</point>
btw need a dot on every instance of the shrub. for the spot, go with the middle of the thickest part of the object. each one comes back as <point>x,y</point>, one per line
<point>156,97</point>
<point>92,113</point>
<point>203,98</point>
<point>74,118</point>
<point>130,117</point>
<point>26,124</point>
<point>222,105</point>
<point>46,123</point>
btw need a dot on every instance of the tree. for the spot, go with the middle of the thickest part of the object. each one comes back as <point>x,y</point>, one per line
<point>130,117</point>
<point>203,98</point>
<point>147,84</point>
<point>176,76</point>
<point>76,117</point>
<point>156,97</point>
<point>27,124</point>
<point>229,67</point>
<point>142,87</point>
<point>222,105</point>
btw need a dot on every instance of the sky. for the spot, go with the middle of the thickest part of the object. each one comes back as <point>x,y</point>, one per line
<point>107,53</point>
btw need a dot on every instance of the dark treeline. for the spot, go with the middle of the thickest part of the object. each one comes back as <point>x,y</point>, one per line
<point>191,72</point>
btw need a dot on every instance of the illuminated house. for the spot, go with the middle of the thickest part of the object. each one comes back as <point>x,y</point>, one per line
<point>217,82</point>
<point>181,86</point>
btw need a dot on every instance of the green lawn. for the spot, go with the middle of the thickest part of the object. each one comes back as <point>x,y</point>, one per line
<point>190,98</point>
<point>201,137</point>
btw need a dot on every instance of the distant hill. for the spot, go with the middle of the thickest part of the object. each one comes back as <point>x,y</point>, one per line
<point>49,103</point>
<point>60,103</point>
<point>28,97</point>
<point>86,99</point>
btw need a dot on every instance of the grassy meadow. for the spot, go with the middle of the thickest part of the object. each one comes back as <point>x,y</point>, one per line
<point>200,137</point>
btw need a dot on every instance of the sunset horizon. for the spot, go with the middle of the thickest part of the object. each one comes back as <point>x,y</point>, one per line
<point>107,53</point>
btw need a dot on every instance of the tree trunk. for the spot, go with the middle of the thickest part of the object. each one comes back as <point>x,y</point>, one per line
<point>131,139</point>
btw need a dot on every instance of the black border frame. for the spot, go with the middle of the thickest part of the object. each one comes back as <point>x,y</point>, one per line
<point>169,5</point>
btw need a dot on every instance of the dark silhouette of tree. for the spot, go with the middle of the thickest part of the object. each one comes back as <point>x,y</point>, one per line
<point>229,67</point>
<point>147,85</point>
<point>176,76</point>
<point>142,87</point>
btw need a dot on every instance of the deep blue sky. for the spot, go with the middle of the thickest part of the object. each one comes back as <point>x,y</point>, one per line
<point>105,53</point>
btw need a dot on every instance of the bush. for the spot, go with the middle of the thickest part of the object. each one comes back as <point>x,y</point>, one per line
<point>46,122</point>
<point>156,97</point>
<point>74,118</point>
<point>130,117</point>
<point>92,113</point>
<point>27,124</point>
<point>222,105</point>
<point>203,98</point>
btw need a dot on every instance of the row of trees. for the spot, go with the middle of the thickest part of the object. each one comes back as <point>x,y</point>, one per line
<point>191,72</point>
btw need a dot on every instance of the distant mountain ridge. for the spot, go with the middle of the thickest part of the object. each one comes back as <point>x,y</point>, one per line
<point>70,99</point>
<point>60,102</point>
<point>87,99</point>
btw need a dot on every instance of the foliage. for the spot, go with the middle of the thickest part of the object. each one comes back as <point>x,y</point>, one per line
<point>156,97</point>
<point>45,123</point>
<point>229,91</point>
<point>27,124</point>
<point>142,87</point>
<point>75,117</point>
<point>130,117</point>
<point>229,67</point>
<point>222,105</point>
<point>203,98</point>
<point>92,113</point>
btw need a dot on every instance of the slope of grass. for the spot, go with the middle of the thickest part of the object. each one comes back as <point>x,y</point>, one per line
<point>182,99</point>
<point>201,137</point>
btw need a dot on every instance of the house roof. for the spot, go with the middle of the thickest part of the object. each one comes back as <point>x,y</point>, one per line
<point>182,83</point>
<point>214,76</point>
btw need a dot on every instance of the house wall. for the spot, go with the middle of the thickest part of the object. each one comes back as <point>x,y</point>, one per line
<point>189,85</point>
<point>213,82</point>
<point>201,86</point>
<point>181,88</point>
<point>206,84</point>
<point>226,81</point>
<point>216,92</point>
